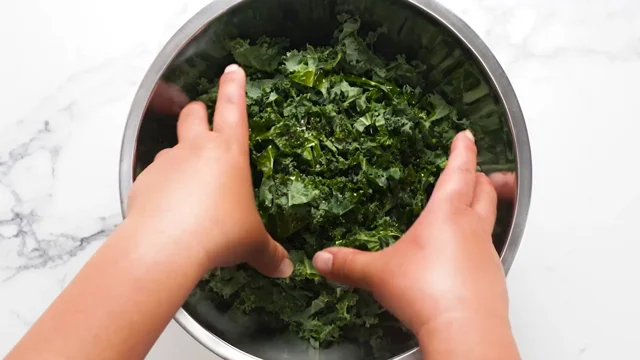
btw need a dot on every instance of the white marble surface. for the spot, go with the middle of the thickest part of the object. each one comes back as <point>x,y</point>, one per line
<point>69,70</point>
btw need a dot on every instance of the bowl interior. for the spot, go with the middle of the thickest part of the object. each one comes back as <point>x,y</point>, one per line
<point>454,74</point>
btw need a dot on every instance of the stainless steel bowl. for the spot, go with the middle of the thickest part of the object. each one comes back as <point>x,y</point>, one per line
<point>254,17</point>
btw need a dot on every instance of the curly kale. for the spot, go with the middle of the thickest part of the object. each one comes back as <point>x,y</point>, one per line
<point>346,147</point>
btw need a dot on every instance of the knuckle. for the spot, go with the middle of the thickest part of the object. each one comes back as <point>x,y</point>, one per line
<point>161,154</point>
<point>451,183</point>
<point>448,176</point>
<point>230,92</point>
<point>239,149</point>
<point>459,167</point>
<point>207,144</point>
<point>465,146</point>
<point>343,264</point>
<point>273,253</point>
<point>487,185</point>
<point>351,272</point>
<point>190,111</point>
<point>379,259</point>
<point>262,248</point>
<point>490,188</point>
<point>457,212</point>
<point>464,171</point>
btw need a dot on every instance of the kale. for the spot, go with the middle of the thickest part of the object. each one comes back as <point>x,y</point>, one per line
<point>346,146</point>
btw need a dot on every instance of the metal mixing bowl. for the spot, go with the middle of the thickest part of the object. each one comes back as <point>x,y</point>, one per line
<point>413,25</point>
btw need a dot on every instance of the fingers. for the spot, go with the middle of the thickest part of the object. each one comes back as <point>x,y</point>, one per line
<point>168,99</point>
<point>485,199</point>
<point>272,260</point>
<point>347,266</point>
<point>230,117</point>
<point>457,182</point>
<point>193,121</point>
<point>505,184</point>
<point>162,153</point>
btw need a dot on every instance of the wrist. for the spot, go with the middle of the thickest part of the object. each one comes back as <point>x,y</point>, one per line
<point>468,337</point>
<point>148,242</point>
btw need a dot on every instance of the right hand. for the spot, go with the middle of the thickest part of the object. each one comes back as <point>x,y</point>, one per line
<point>445,268</point>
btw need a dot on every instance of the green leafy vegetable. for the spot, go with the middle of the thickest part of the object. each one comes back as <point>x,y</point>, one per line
<point>346,146</point>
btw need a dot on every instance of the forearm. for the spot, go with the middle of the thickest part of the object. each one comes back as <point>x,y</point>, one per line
<point>120,302</point>
<point>468,339</point>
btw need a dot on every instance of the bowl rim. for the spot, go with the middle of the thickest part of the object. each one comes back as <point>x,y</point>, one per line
<point>486,61</point>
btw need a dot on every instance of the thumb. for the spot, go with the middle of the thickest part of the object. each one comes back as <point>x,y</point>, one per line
<point>457,183</point>
<point>272,260</point>
<point>347,266</point>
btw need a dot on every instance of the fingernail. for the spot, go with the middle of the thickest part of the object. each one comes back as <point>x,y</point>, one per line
<point>323,261</point>
<point>285,269</point>
<point>231,68</point>
<point>469,134</point>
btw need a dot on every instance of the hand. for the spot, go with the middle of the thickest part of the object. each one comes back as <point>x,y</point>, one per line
<point>505,184</point>
<point>445,267</point>
<point>200,191</point>
<point>168,99</point>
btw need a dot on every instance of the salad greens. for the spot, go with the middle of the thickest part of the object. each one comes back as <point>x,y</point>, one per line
<point>345,150</point>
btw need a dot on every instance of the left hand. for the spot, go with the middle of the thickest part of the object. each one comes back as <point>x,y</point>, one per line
<point>200,191</point>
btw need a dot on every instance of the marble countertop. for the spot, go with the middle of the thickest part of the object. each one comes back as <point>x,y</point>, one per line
<point>70,69</point>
